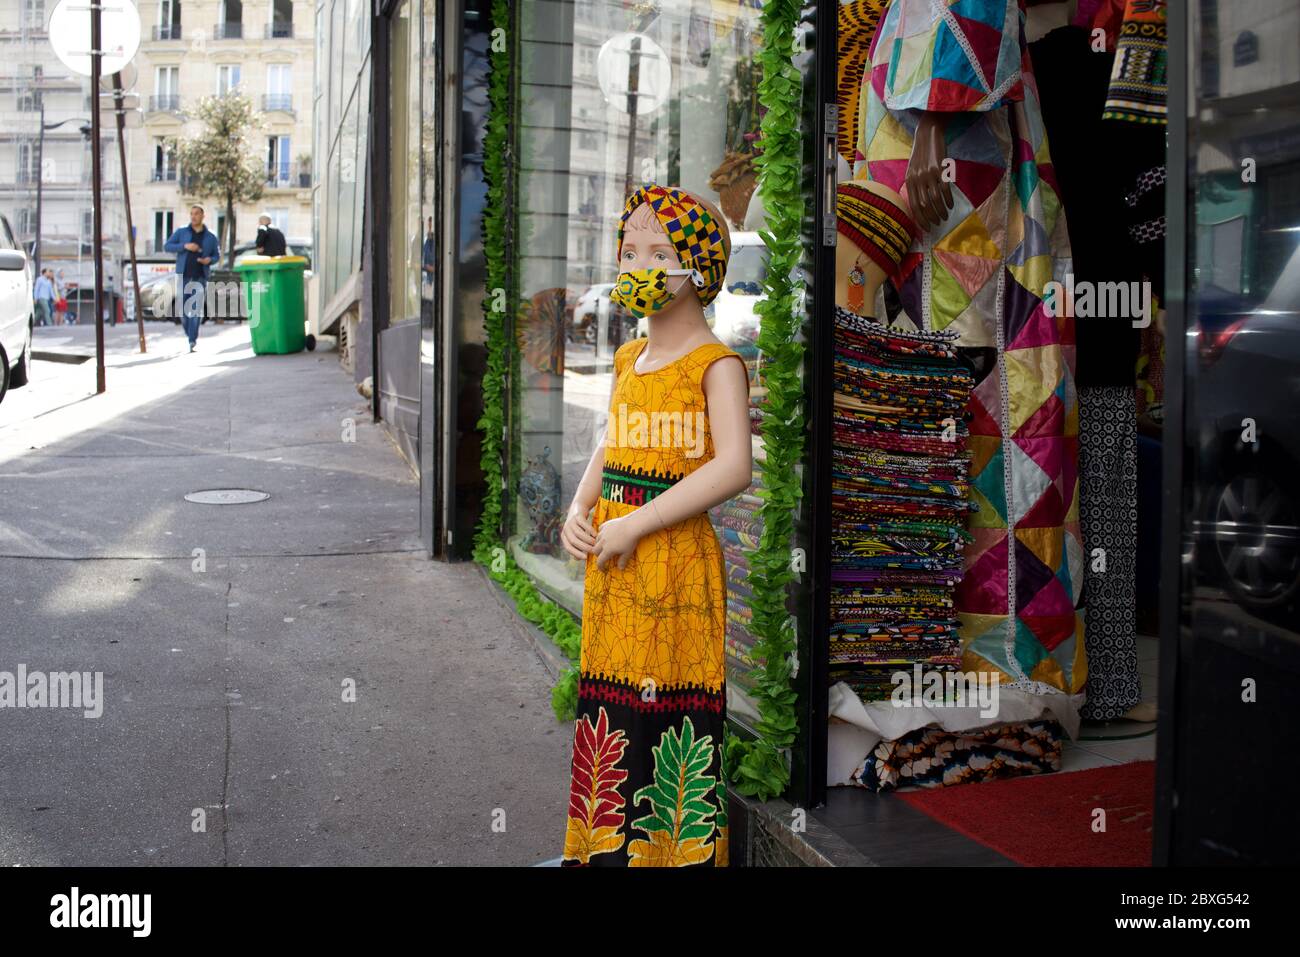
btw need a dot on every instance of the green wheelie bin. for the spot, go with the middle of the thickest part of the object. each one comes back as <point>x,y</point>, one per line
<point>277,311</point>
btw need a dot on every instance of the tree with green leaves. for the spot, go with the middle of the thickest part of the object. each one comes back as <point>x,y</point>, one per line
<point>222,161</point>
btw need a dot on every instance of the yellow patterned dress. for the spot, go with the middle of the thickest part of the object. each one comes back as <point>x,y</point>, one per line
<point>647,788</point>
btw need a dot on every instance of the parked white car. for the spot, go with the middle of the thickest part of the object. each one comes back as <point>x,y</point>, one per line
<point>16,311</point>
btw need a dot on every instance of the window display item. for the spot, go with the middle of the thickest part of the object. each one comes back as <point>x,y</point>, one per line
<point>983,276</point>
<point>541,331</point>
<point>935,758</point>
<point>539,490</point>
<point>647,787</point>
<point>876,227</point>
<point>898,503</point>
<point>1073,80</point>
<point>700,241</point>
<point>1139,85</point>
<point>645,291</point>
<point>857,28</point>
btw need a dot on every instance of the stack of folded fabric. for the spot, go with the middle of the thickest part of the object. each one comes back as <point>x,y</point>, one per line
<point>739,529</point>
<point>899,500</point>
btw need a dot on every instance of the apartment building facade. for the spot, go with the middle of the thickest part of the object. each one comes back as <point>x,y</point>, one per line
<point>45,140</point>
<point>191,49</point>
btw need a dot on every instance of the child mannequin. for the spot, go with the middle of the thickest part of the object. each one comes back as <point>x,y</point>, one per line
<point>651,692</point>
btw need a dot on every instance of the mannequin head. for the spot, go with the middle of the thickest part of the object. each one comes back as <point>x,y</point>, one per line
<point>672,252</point>
<point>859,253</point>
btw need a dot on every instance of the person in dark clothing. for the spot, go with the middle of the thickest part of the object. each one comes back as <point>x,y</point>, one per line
<point>270,241</point>
<point>197,251</point>
<point>1089,156</point>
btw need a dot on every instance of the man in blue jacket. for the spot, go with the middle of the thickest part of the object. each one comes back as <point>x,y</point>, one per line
<point>197,251</point>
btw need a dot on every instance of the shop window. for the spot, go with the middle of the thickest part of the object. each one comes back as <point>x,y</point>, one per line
<point>689,121</point>
<point>406,227</point>
<point>162,228</point>
<point>227,78</point>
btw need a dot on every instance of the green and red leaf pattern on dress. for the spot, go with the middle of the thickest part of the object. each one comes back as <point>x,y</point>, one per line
<point>595,805</point>
<point>680,826</point>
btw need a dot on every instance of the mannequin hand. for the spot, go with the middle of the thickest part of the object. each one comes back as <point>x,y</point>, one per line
<point>929,195</point>
<point>616,540</point>
<point>577,536</point>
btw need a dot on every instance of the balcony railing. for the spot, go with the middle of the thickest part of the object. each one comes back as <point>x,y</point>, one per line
<point>162,175</point>
<point>282,102</point>
<point>228,31</point>
<point>288,177</point>
<point>276,31</point>
<point>167,31</point>
<point>164,103</point>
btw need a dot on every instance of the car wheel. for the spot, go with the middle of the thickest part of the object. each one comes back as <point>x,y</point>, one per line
<point>4,373</point>
<point>23,371</point>
<point>1256,522</point>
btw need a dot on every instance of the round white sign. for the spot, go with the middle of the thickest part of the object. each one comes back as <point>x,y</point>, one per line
<point>614,71</point>
<point>69,31</point>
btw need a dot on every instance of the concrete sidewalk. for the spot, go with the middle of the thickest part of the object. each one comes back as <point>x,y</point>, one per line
<point>228,635</point>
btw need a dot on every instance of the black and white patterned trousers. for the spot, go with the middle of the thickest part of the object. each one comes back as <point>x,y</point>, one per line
<point>1108,516</point>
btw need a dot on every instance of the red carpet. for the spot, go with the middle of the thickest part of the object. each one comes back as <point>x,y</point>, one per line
<point>1047,820</point>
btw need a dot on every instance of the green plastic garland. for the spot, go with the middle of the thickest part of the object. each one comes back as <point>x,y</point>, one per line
<point>502,371</point>
<point>759,767</point>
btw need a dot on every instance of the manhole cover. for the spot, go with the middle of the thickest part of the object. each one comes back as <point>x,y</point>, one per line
<point>227,496</point>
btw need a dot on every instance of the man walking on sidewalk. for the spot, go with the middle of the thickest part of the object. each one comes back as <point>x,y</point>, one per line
<point>43,293</point>
<point>197,251</point>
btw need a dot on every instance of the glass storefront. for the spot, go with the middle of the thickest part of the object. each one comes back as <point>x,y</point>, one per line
<point>611,96</point>
<point>1232,391</point>
<point>406,229</point>
<point>342,97</point>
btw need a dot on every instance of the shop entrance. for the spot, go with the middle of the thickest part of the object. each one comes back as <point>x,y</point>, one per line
<point>1062,505</point>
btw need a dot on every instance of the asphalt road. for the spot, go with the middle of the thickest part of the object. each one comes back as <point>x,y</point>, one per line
<point>228,637</point>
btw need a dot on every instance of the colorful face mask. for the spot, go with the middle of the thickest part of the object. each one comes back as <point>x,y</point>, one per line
<point>644,292</point>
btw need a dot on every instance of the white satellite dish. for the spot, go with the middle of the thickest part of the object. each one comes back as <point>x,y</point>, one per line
<point>119,34</point>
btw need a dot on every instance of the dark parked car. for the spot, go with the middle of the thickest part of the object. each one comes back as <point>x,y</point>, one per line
<point>1248,523</point>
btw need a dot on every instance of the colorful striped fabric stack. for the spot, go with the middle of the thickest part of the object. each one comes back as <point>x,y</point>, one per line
<point>739,529</point>
<point>899,500</point>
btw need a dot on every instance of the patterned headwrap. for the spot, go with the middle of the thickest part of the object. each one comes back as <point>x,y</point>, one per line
<point>700,242</point>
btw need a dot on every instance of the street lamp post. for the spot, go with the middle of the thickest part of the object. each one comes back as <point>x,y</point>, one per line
<point>91,56</point>
<point>96,202</point>
<point>40,174</point>
<point>119,110</point>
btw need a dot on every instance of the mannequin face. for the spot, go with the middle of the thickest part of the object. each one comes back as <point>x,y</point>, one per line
<point>650,248</point>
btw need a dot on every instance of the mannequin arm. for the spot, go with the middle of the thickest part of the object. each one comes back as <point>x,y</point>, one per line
<point>729,472</point>
<point>928,193</point>
<point>578,536</point>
